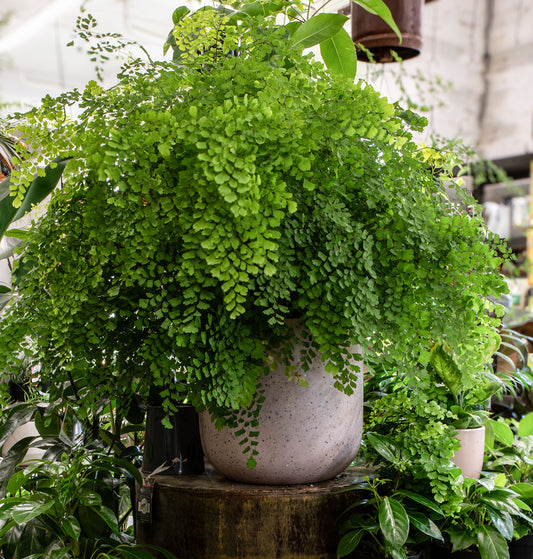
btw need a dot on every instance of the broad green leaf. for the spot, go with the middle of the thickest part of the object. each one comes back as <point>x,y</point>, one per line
<point>339,55</point>
<point>525,490</point>
<point>460,539</point>
<point>483,393</point>
<point>16,481</point>
<point>488,483</point>
<point>378,8</point>
<point>423,523</point>
<point>6,527</point>
<point>349,542</point>
<point>108,516</point>
<point>258,8</point>
<point>292,26</point>
<point>318,29</point>
<point>90,499</point>
<point>500,502</point>
<point>71,527</point>
<point>179,14</point>
<point>492,544</point>
<point>384,446</point>
<point>24,512</point>
<point>421,500</point>
<point>54,552</point>
<point>447,369</point>
<point>38,190</point>
<point>119,463</point>
<point>502,521</point>
<point>525,427</point>
<point>32,540</point>
<point>393,521</point>
<point>20,234</point>
<point>502,432</point>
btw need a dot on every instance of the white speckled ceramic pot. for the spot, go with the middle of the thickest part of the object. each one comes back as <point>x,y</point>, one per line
<point>306,434</point>
<point>470,456</point>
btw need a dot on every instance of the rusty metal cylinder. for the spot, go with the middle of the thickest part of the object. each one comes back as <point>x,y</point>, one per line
<point>377,37</point>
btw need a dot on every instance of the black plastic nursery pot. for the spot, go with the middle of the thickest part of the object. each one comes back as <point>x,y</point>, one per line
<point>17,392</point>
<point>179,448</point>
<point>522,548</point>
<point>441,552</point>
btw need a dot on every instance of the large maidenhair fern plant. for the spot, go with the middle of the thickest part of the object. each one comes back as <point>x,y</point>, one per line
<point>210,198</point>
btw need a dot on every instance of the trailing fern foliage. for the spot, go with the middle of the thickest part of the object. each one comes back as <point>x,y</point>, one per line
<point>209,199</point>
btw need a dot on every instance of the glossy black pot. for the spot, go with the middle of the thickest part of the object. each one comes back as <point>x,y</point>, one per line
<point>440,552</point>
<point>179,448</point>
<point>522,548</point>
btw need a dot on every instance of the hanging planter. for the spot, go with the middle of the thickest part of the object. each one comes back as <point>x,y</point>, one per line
<point>380,40</point>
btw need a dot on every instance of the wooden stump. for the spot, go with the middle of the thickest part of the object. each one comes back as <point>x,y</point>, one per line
<point>210,517</point>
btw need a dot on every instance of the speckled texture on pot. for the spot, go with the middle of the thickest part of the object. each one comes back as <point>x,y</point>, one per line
<point>306,434</point>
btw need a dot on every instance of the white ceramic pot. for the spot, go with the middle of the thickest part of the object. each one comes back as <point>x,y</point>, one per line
<point>306,433</point>
<point>470,456</point>
<point>21,432</point>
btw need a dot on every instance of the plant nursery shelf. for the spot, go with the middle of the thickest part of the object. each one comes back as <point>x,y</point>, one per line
<point>208,516</point>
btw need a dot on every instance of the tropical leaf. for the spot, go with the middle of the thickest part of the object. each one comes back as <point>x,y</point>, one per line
<point>423,523</point>
<point>525,427</point>
<point>502,521</point>
<point>317,29</point>
<point>384,446</point>
<point>502,432</point>
<point>339,55</point>
<point>460,538</point>
<point>10,462</point>
<point>108,516</point>
<point>447,369</point>
<point>379,8</point>
<point>71,527</point>
<point>349,542</point>
<point>38,190</point>
<point>492,544</point>
<point>421,500</point>
<point>393,521</point>
<point>24,512</point>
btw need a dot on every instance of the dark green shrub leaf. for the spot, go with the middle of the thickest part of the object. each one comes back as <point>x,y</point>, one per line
<point>349,542</point>
<point>393,521</point>
<point>318,29</point>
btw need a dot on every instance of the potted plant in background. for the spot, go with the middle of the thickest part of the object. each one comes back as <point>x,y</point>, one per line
<point>210,201</point>
<point>392,522</point>
<point>510,456</point>
<point>469,391</point>
<point>410,438</point>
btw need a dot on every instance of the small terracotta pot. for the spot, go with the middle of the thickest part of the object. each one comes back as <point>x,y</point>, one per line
<point>470,456</point>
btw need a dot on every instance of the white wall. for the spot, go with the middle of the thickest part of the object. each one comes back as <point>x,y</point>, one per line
<point>488,105</point>
<point>507,126</point>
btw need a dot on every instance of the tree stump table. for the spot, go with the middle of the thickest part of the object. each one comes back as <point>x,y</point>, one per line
<point>210,517</point>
